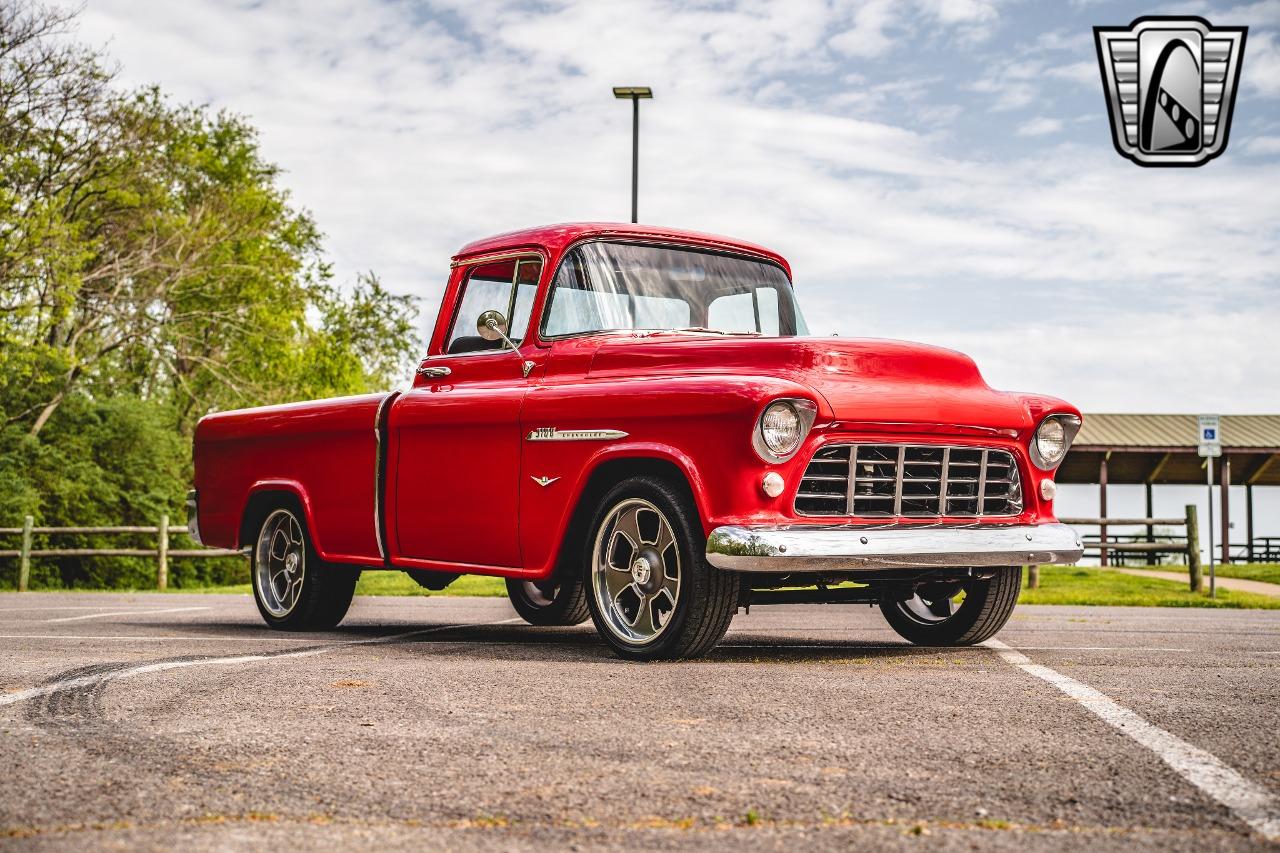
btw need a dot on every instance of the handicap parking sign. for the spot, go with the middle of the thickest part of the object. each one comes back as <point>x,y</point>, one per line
<point>1210,443</point>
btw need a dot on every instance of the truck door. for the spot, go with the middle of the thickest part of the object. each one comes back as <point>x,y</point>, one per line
<point>456,433</point>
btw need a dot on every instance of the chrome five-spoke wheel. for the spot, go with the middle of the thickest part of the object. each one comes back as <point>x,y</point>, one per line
<point>933,603</point>
<point>294,588</point>
<point>956,613</point>
<point>558,600</point>
<point>635,575</point>
<point>280,564</point>
<point>540,594</point>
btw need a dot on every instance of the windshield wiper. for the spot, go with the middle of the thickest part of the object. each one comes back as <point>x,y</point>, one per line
<point>710,331</point>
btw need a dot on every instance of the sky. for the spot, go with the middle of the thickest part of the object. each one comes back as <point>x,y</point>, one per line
<point>935,170</point>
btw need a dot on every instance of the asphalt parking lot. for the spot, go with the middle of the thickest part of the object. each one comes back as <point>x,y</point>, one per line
<point>147,721</point>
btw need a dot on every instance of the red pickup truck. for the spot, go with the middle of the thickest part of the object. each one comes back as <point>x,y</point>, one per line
<point>631,423</point>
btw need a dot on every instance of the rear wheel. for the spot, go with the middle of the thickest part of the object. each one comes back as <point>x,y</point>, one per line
<point>958,613</point>
<point>560,601</point>
<point>652,593</point>
<point>294,590</point>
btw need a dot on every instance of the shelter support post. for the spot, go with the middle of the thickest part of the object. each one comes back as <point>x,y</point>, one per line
<point>1248,521</point>
<point>1225,469</point>
<point>1102,509</point>
<point>1151,531</point>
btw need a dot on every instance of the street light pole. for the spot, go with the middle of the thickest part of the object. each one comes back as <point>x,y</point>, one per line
<point>634,94</point>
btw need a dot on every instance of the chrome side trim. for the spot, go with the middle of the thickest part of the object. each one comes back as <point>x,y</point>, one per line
<point>193,516</point>
<point>380,475</point>
<point>553,434</point>
<point>829,548</point>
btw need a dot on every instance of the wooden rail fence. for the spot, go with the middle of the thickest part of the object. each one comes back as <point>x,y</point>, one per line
<point>162,552</point>
<point>1108,541</point>
<point>1187,544</point>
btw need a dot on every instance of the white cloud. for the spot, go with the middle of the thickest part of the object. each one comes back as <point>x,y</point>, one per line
<point>867,35</point>
<point>1041,126</point>
<point>1263,145</point>
<point>1085,73</point>
<point>408,137</point>
<point>961,11</point>
<point>1261,70</point>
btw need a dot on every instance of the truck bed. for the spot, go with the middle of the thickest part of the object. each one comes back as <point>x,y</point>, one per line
<point>325,452</point>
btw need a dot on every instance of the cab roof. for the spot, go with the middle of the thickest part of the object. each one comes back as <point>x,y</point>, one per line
<point>555,238</point>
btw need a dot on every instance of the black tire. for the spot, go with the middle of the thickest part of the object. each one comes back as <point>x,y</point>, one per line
<point>310,596</point>
<point>560,601</point>
<point>986,607</point>
<point>706,597</point>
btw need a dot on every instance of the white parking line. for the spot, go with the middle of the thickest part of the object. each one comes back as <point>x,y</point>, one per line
<point>124,613</point>
<point>133,672</point>
<point>163,639</point>
<point>58,607</point>
<point>955,649</point>
<point>1247,801</point>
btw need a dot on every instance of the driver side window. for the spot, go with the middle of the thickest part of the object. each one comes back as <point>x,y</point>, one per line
<point>506,286</point>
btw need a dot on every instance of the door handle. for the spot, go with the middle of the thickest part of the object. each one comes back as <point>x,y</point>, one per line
<point>434,372</point>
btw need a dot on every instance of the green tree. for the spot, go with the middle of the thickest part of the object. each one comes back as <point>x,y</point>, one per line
<point>152,270</point>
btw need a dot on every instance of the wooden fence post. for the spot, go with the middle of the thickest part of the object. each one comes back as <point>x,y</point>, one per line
<point>1033,576</point>
<point>24,559</point>
<point>162,569</point>
<point>1193,549</point>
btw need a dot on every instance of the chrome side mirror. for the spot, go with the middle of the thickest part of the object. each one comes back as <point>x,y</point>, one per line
<point>492,326</point>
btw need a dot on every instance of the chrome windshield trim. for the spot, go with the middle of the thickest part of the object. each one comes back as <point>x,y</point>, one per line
<point>847,547</point>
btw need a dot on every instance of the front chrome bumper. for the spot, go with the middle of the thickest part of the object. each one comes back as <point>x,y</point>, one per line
<point>826,548</point>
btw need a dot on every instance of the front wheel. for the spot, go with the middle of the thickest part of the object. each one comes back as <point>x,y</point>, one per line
<point>560,601</point>
<point>956,613</point>
<point>294,590</point>
<point>652,593</point>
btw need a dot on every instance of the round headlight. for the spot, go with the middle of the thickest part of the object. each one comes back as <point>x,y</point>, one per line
<point>1051,442</point>
<point>780,429</point>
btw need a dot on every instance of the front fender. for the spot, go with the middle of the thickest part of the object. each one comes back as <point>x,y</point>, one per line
<point>700,425</point>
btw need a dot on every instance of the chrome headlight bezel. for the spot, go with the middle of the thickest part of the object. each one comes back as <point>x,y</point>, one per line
<point>806,411</point>
<point>1070,425</point>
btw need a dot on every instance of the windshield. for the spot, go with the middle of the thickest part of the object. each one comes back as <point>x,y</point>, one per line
<point>612,286</point>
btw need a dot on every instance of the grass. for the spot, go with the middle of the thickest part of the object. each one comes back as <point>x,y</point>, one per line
<point>1082,585</point>
<point>1268,572</point>
<point>390,583</point>
<point>1075,585</point>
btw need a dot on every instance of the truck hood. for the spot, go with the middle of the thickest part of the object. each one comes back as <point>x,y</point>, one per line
<point>862,381</point>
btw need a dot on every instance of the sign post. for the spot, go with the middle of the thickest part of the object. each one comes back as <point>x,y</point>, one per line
<point>1210,447</point>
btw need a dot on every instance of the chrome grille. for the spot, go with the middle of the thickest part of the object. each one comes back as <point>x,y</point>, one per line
<point>913,481</point>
